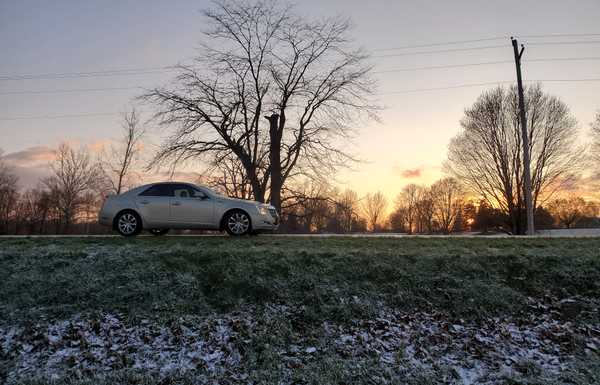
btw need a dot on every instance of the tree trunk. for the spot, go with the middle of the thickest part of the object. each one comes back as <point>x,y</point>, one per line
<point>275,160</point>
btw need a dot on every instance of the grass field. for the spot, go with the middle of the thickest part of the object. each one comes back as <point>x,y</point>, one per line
<point>300,310</point>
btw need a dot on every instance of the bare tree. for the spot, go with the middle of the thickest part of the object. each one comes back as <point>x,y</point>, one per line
<point>309,207</point>
<point>374,206</point>
<point>347,210</point>
<point>121,161</point>
<point>34,210</point>
<point>73,175</point>
<point>568,211</point>
<point>408,200</point>
<point>261,59</point>
<point>8,194</point>
<point>447,198</point>
<point>596,138</point>
<point>424,210</point>
<point>398,220</point>
<point>229,177</point>
<point>486,156</point>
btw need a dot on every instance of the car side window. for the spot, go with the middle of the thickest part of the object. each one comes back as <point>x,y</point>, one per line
<point>158,190</point>
<point>181,192</point>
<point>185,191</point>
<point>198,194</point>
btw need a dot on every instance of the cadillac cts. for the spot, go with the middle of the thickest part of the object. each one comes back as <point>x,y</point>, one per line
<point>159,207</point>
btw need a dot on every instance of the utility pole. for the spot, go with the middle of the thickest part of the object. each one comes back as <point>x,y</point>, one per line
<point>525,139</point>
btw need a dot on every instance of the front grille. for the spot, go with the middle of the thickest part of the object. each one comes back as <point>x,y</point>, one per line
<point>274,214</point>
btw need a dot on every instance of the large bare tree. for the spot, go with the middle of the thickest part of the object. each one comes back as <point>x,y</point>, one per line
<point>261,60</point>
<point>487,154</point>
<point>119,163</point>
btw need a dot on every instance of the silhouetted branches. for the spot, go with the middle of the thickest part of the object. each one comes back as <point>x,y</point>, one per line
<point>487,155</point>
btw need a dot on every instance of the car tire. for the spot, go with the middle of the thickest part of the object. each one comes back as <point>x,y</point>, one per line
<point>128,223</point>
<point>158,232</point>
<point>237,223</point>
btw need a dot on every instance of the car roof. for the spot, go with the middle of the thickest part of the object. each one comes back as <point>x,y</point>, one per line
<point>148,185</point>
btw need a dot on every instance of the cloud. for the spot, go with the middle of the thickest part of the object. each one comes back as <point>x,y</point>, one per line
<point>411,173</point>
<point>99,146</point>
<point>30,165</point>
<point>31,157</point>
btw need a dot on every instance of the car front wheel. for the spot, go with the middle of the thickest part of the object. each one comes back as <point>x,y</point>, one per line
<point>128,224</point>
<point>237,223</point>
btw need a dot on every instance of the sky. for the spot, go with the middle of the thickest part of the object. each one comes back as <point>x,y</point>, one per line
<point>408,145</point>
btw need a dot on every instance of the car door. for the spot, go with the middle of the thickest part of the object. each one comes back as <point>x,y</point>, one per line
<point>154,204</point>
<point>191,207</point>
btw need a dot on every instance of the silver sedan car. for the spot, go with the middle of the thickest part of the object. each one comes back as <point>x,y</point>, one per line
<point>158,207</point>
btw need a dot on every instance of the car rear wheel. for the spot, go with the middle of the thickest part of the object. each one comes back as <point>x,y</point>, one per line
<point>238,223</point>
<point>128,224</point>
<point>158,232</point>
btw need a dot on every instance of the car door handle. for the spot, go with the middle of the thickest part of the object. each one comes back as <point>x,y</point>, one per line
<point>144,202</point>
<point>176,204</point>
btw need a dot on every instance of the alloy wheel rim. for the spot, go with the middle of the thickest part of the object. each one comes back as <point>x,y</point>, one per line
<point>238,223</point>
<point>127,223</point>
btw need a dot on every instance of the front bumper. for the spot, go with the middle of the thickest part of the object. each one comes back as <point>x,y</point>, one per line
<point>267,222</point>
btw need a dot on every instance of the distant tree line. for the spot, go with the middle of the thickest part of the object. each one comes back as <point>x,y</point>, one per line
<point>67,202</point>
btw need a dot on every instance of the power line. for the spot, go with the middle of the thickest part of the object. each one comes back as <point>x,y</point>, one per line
<point>469,85</point>
<point>151,70</point>
<point>446,88</point>
<point>404,91</point>
<point>566,42</point>
<point>442,43</point>
<point>162,69</point>
<point>585,58</point>
<point>563,80</point>
<point>64,91</point>
<point>495,38</point>
<point>409,69</point>
<point>70,75</point>
<point>552,35</point>
<point>59,116</point>
<point>442,51</point>
<point>483,47</point>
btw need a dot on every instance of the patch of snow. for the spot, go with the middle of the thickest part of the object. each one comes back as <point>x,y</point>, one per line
<point>405,345</point>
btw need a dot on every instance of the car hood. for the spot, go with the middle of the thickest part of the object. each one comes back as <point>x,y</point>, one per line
<point>238,201</point>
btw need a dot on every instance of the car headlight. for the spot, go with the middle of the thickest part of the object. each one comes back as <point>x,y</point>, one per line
<point>263,210</point>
